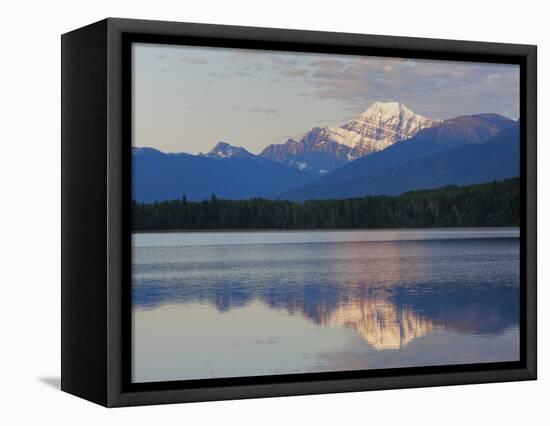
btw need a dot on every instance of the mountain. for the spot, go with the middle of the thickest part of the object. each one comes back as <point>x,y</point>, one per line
<point>224,150</point>
<point>356,178</point>
<point>380,126</point>
<point>324,149</point>
<point>496,159</point>
<point>315,152</point>
<point>159,176</point>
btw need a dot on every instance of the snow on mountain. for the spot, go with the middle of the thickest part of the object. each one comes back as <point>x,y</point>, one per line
<point>224,150</point>
<point>327,148</point>
<point>380,126</point>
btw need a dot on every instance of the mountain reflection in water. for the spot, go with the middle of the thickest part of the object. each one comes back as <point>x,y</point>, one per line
<point>381,323</point>
<point>390,293</point>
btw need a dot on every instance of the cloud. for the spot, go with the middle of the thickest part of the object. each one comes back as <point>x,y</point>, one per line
<point>296,72</point>
<point>254,66</point>
<point>219,74</point>
<point>230,74</point>
<point>327,68</point>
<point>284,59</point>
<point>439,89</point>
<point>288,66</point>
<point>194,60</point>
<point>264,110</point>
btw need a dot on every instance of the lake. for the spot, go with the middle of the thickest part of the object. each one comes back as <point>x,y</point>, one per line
<point>231,304</point>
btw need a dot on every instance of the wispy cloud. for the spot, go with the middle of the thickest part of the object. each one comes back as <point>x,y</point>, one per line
<point>288,66</point>
<point>264,110</point>
<point>231,74</point>
<point>429,86</point>
<point>440,89</point>
<point>194,60</point>
<point>219,74</point>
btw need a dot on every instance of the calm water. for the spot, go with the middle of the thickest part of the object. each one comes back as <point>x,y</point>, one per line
<point>227,304</point>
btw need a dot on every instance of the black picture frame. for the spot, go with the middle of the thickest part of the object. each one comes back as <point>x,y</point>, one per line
<point>96,237</point>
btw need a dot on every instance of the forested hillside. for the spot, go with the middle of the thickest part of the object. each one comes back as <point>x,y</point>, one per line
<point>490,204</point>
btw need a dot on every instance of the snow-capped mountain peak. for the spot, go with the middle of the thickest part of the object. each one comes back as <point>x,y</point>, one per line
<point>396,114</point>
<point>385,111</point>
<point>225,150</point>
<point>381,125</point>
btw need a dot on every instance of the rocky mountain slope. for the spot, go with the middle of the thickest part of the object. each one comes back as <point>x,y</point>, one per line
<point>324,149</point>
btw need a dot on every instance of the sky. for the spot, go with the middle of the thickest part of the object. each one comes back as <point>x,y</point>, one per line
<point>188,98</point>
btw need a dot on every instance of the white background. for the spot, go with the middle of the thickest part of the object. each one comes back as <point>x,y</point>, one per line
<point>30,211</point>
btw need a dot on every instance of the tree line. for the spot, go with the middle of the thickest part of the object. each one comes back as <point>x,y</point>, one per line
<point>490,204</point>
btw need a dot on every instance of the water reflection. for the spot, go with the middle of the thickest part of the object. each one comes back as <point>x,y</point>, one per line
<point>390,294</point>
<point>382,323</point>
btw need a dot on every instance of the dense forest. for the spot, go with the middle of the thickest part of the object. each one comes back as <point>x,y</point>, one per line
<point>490,204</point>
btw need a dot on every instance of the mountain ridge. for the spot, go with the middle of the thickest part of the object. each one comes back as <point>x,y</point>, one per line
<point>440,164</point>
<point>159,176</point>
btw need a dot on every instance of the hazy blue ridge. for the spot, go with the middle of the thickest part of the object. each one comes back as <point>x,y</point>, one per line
<point>158,176</point>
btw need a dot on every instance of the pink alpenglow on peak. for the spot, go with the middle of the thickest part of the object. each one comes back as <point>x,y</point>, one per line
<point>380,126</point>
<point>327,148</point>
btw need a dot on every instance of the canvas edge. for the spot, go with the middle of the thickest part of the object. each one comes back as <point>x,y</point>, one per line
<point>115,395</point>
<point>83,212</point>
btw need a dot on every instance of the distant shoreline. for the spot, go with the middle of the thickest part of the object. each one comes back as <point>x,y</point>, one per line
<point>208,231</point>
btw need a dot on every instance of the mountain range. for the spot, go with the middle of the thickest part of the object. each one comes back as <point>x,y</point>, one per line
<point>365,175</point>
<point>237,174</point>
<point>388,149</point>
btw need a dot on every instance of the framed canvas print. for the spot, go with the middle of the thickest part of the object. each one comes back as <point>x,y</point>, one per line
<point>253,212</point>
